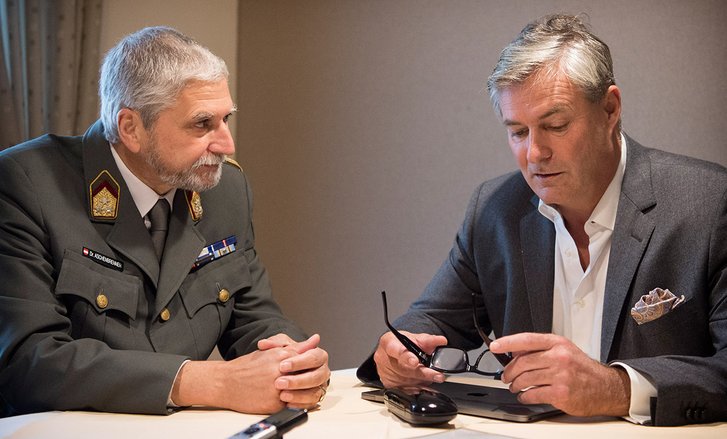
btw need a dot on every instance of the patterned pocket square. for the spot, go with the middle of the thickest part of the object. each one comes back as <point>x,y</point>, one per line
<point>654,305</point>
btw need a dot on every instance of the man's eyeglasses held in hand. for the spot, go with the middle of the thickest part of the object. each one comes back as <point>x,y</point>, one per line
<point>447,359</point>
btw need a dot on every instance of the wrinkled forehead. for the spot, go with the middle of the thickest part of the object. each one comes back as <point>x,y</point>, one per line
<point>539,96</point>
<point>213,96</point>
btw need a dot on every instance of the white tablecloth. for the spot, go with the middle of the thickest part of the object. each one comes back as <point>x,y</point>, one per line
<point>343,414</point>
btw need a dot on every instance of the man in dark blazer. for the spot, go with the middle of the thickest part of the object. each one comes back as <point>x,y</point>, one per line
<point>93,316</point>
<point>560,254</point>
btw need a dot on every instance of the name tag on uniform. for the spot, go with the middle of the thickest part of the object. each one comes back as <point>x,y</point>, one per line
<point>103,259</point>
<point>215,251</point>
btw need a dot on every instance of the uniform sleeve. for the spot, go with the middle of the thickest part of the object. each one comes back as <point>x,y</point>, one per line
<point>43,366</point>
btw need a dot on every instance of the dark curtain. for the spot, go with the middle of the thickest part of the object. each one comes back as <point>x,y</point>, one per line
<point>48,67</point>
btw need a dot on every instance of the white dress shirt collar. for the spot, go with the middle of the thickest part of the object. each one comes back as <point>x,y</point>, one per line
<point>144,197</point>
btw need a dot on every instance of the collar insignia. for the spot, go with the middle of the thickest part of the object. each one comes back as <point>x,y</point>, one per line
<point>194,203</point>
<point>104,196</point>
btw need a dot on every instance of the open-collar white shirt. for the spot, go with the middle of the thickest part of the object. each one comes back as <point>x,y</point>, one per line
<point>578,294</point>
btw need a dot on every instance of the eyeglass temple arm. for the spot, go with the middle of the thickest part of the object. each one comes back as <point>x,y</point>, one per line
<point>504,359</point>
<point>424,358</point>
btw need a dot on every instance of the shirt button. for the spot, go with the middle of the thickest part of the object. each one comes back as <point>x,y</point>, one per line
<point>224,295</point>
<point>165,315</point>
<point>580,303</point>
<point>102,301</point>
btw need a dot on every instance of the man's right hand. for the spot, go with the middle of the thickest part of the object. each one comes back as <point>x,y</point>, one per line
<point>399,367</point>
<point>245,384</point>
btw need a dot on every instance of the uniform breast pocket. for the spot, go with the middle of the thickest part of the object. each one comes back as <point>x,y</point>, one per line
<point>96,297</point>
<point>208,295</point>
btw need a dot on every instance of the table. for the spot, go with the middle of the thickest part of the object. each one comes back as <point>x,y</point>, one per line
<point>342,414</point>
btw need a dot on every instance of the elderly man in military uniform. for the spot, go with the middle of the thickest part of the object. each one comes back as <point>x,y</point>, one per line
<point>127,255</point>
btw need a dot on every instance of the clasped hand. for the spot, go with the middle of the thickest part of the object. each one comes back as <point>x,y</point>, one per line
<point>281,372</point>
<point>304,374</point>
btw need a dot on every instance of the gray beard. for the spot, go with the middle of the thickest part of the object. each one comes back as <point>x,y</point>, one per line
<point>185,179</point>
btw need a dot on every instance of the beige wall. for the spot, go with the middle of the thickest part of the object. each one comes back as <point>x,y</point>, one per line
<point>364,128</point>
<point>211,22</point>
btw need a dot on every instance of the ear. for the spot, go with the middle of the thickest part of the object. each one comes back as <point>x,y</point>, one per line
<point>612,105</point>
<point>131,129</point>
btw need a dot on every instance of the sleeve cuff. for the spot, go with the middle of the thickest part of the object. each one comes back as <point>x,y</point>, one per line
<point>642,390</point>
<point>170,403</point>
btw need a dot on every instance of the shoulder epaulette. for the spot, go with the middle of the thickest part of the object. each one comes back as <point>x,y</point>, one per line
<point>232,162</point>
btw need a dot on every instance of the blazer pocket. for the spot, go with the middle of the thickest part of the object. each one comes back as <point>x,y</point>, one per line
<point>204,287</point>
<point>670,322</point>
<point>103,289</point>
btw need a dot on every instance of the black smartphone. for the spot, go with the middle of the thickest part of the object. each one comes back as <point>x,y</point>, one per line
<point>420,405</point>
<point>415,405</point>
<point>274,425</point>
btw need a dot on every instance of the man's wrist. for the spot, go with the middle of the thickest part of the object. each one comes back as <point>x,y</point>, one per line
<point>170,399</point>
<point>621,391</point>
<point>196,384</point>
<point>642,391</point>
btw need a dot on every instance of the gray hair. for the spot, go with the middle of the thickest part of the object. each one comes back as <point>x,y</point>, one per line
<point>147,70</point>
<point>553,45</point>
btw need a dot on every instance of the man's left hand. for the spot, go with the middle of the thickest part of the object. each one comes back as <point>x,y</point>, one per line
<point>550,369</point>
<point>305,376</point>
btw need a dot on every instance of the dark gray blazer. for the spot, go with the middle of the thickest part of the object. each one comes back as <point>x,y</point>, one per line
<point>670,232</point>
<point>61,350</point>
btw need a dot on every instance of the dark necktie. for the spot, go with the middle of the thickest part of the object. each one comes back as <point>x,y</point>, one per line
<point>159,218</point>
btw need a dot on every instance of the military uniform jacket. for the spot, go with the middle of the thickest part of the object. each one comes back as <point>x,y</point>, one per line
<point>88,318</point>
<point>670,232</point>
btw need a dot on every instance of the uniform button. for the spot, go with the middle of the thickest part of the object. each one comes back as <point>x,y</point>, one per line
<point>102,301</point>
<point>224,295</point>
<point>165,315</point>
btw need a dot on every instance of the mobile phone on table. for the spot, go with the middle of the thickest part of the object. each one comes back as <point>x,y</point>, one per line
<point>274,425</point>
<point>415,405</point>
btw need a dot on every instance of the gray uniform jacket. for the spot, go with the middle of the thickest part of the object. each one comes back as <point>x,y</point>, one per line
<point>88,318</point>
<point>670,232</point>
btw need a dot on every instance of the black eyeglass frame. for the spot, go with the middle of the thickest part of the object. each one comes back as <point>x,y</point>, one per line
<point>427,360</point>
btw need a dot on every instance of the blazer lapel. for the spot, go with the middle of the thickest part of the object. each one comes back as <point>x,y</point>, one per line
<point>538,243</point>
<point>631,236</point>
<point>183,245</point>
